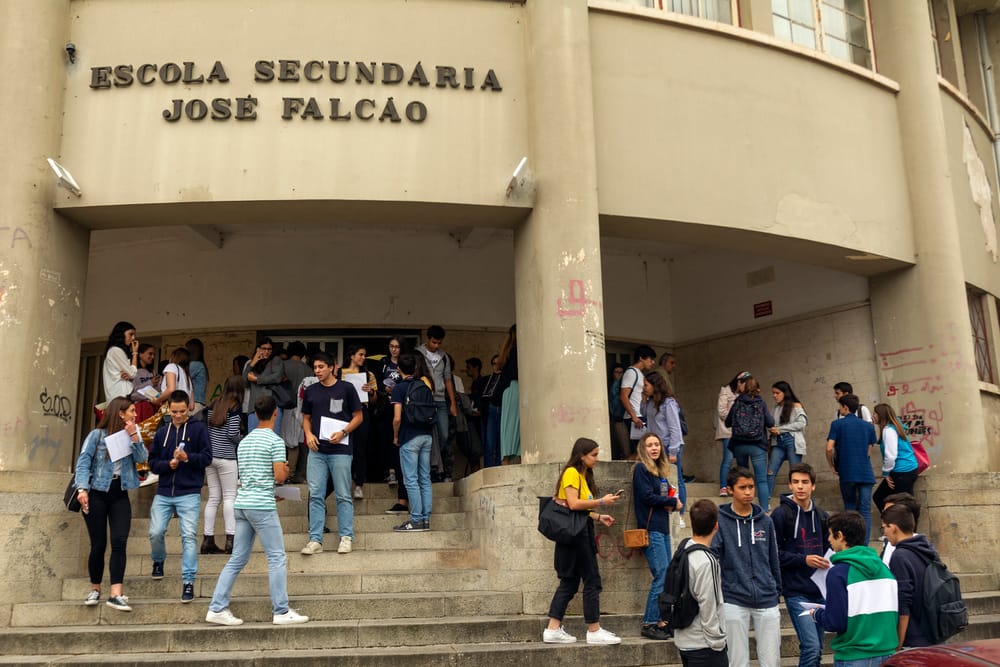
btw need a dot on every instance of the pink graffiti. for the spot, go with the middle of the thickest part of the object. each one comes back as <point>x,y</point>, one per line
<point>906,357</point>
<point>608,545</point>
<point>577,303</point>
<point>905,387</point>
<point>12,426</point>
<point>565,414</point>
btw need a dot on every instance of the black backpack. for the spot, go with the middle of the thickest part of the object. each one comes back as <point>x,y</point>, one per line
<point>419,408</point>
<point>677,606</point>
<point>943,613</point>
<point>748,421</point>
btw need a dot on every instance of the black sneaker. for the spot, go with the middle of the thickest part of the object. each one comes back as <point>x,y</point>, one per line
<point>656,632</point>
<point>398,509</point>
<point>411,527</point>
<point>119,602</point>
<point>157,569</point>
<point>688,479</point>
<point>187,593</point>
<point>425,525</point>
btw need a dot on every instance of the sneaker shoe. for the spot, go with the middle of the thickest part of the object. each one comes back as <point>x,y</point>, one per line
<point>680,522</point>
<point>723,492</point>
<point>346,545</point>
<point>119,602</point>
<point>688,479</point>
<point>224,617</point>
<point>426,524</point>
<point>312,547</point>
<point>559,636</point>
<point>157,569</point>
<point>411,527</point>
<point>151,478</point>
<point>602,636</point>
<point>392,478</point>
<point>359,493</point>
<point>656,632</point>
<point>93,598</point>
<point>187,593</point>
<point>447,479</point>
<point>290,617</point>
<point>398,509</point>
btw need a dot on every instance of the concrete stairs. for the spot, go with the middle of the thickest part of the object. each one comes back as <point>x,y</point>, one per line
<point>398,599</point>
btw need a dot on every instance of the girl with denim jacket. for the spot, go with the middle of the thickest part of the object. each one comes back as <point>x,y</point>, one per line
<point>102,488</point>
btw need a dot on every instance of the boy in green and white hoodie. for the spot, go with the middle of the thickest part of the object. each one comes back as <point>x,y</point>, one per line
<point>860,582</point>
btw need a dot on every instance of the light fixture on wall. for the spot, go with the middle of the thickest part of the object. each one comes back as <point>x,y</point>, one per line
<point>71,52</point>
<point>64,178</point>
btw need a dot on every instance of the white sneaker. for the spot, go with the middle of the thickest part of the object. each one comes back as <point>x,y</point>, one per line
<point>359,493</point>
<point>312,547</point>
<point>602,636</point>
<point>290,617</point>
<point>680,522</point>
<point>346,545</point>
<point>224,617</point>
<point>559,636</point>
<point>93,598</point>
<point>151,478</point>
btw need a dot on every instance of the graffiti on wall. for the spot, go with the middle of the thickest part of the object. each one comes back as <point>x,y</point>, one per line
<point>55,405</point>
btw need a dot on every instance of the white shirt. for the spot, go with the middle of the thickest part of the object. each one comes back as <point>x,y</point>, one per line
<point>114,363</point>
<point>183,382</point>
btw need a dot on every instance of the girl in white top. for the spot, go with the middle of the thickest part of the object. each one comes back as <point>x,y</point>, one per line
<point>175,376</point>
<point>120,358</point>
<point>788,435</point>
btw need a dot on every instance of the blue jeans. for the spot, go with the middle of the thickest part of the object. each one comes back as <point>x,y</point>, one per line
<point>864,662</point>
<point>443,416</point>
<point>809,631</point>
<point>187,507</point>
<point>727,463</point>
<point>252,422</point>
<point>658,558</point>
<point>783,451</point>
<point>681,486</point>
<point>263,523</point>
<point>858,496</point>
<point>415,460</point>
<point>758,458</point>
<point>491,447</point>
<point>319,468</point>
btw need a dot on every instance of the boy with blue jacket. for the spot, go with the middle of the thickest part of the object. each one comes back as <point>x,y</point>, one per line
<point>747,549</point>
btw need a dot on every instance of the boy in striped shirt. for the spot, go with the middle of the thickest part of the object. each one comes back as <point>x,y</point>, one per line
<point>261,462</point>
<point>861,598</point>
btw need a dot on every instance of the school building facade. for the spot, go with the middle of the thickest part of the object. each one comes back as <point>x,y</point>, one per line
<point>806,189</point>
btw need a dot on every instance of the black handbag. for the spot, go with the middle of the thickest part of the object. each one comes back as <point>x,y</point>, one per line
<point>284,395</point>
<point>70,498</point>
<point>558,522</point>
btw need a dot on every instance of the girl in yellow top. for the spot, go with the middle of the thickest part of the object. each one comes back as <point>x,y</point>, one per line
<point>578,561</point>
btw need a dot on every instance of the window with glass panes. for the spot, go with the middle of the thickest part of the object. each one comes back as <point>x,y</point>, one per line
<point>980,337</point>
<point>836,27</point>
<point>713,10</point>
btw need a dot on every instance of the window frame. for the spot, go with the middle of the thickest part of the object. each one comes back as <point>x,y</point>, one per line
<point>821,37</point>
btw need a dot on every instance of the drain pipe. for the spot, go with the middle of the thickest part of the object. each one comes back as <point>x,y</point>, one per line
<point>991,93</point>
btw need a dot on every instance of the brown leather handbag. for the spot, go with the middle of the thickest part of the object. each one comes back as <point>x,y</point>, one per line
<point>636,538</point>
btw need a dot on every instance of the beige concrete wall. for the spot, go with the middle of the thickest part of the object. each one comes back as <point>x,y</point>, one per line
<point>689,130</point>
<point>991,418</point>
<point>121,149</point>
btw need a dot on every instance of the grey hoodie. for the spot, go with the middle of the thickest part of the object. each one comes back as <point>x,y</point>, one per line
<point>748,554</point>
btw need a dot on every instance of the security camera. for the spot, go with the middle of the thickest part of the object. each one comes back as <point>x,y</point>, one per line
<point>71,51</point>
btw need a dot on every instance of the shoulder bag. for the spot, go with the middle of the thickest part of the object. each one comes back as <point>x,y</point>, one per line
<point>558,522</point>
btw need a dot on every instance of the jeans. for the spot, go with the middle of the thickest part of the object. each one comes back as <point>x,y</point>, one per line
<point>443,425</point>
<point>491,444</point>
<point>109,510</point>
<point>265,524</point>
<point>187,508</point>
<point>810,633</point>
<point>704,657</point>
<point>221,475</point>
<point>766,629</point>
<point>682,493</point>
<point>319,468</point>
<point>758,458</point>
<point>252,421</point>
<point>783,451</point>
<point>858,496</point>
<point>658,558</point>
<point>415,460</point>
<point>864,662</point>
<point>727,463</point>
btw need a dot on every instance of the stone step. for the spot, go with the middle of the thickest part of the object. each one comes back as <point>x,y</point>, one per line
<point>382,607</point>
<point>299,523</point>
<point>408,581</point>
<point>367,506</point>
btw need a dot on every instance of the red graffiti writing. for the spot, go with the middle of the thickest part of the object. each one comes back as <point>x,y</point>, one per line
<point>927,385</point>
<point>565,414</point>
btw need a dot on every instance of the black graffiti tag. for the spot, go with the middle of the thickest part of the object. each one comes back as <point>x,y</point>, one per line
<point>55,405</point>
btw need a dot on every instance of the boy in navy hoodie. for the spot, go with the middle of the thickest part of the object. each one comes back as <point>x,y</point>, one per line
<point>180,453</point>
<point>908,562</point>
<point>751,574</point>
<point>801,529</point>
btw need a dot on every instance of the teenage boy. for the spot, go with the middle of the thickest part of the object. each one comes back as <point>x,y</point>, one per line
<point>441,372</point>
<point>860,597</point>
<point>847,453</point>
<point>179,455</point>
<point>844,388</point>
<point>703,643</point>
<point>800,527</point>
<point>912,504</point>
<point>261,463</point>
<point>909,561</point>
<point>751,574</point>
<point>414,442</point>
<point>331,450</point>
<point>630,394</point>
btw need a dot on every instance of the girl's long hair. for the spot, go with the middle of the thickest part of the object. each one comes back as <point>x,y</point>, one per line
<point>182,358</point>
<point>112,421</point>
<point>197,351</point>
<point>581,447</point>
<point>259,367</point>
<point>659,467</point>
<point>752,387</point>
<point>117,336</point>
<point>887,416</point>
<point>142,348</point>
<point>661,391</point>
<point>231,398</point>
<point>509,343</point>
<point>788,404</point>
<point>350,352</point>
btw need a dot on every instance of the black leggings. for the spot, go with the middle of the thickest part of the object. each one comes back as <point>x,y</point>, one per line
<point>112,509</point>
<point>903,481</point>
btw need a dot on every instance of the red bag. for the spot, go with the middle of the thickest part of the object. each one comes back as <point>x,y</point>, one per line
<point>923,460</point>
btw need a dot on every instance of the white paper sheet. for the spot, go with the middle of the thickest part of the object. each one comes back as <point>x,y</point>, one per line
<point>819,576</point>
<point>119,445</point>
<point>288,492</point>
<point>149,392</point>
<point>358,380</point>
<point>808,606</point>
<point>328,426</point>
